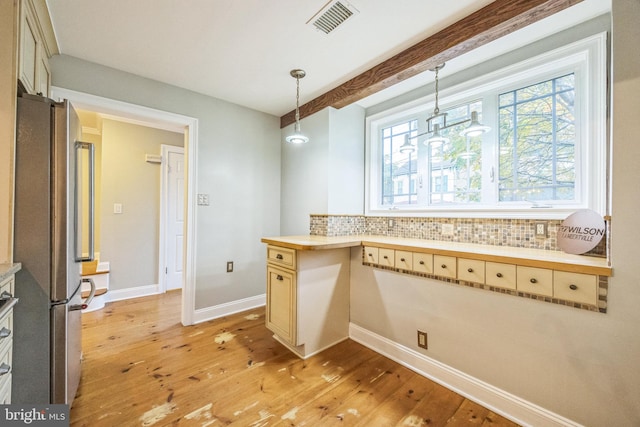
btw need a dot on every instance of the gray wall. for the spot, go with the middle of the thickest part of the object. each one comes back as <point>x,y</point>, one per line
<point>238,166</point>
<point>326,175</point>
<point>130,241</point>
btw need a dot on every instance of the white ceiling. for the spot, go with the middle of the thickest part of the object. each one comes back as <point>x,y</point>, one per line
<point>242,50</point>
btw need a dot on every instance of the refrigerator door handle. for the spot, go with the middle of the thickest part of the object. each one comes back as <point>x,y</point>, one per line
<point>86,302</point>
<point>90,202</point>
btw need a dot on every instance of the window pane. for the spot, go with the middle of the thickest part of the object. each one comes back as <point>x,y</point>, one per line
<point>456,166</point>
<point>537,142</point>
<point>399,168</point>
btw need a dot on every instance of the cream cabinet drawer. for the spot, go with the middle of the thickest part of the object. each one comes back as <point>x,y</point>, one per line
<point>535,280</point>
<point>285,257</point>
<point>404,260</point>
<point>386,257</point>
<point>371,254</point>
<point>5,389</point>
<point>5,363</point>
<point>7,285</point>
<point>423,263</point>
<point>500,275</point>
<point>582,288</point>
<point>444,266</point>
<point>6,331</point>
<point>471,270</point>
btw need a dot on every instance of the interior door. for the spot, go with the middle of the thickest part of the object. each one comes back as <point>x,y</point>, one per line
<point>174,237</point>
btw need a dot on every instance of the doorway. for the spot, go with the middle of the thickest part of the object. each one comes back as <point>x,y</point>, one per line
<point>161,120</point>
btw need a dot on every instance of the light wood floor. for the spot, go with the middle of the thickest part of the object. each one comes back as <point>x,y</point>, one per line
<point>142,367</point>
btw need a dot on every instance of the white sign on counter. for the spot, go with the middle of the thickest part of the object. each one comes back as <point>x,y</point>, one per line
<point>581,231</point>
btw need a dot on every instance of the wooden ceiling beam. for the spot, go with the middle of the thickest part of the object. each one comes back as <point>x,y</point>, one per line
<point>493,21</point>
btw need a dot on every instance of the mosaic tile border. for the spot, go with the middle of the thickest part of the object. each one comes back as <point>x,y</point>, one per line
<point>518,233</point>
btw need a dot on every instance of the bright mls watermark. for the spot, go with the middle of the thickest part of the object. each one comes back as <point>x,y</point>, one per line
<point>34,415</point>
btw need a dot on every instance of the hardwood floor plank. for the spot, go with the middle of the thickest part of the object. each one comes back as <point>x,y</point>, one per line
<point>141,367</point>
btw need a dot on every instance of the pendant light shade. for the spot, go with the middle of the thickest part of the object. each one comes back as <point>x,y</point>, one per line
<point>297,137</point>
<point>407,147</point>
<point>475,128</point>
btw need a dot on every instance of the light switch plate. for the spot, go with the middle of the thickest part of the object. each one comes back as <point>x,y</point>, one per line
<point>117,208</point>
<point>541,229</point>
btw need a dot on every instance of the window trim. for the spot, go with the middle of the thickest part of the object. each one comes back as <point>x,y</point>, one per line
<point>588,59</point>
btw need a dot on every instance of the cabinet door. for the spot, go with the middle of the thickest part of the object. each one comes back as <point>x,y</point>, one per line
<point>281,310</point>
<point>422,263</point>
<point>500,275</point>
<point>28,50</point>
<point>471,270</point>
<point>43,75</point>
<point>582,288</point>
<point>444,266</point>
<point>404,260</point>
<point>535,280</point>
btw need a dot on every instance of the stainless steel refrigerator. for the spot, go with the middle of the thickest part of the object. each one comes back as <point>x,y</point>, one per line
<point>53,234</point>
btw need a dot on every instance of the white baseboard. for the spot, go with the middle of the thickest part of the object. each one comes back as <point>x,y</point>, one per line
<point>138,291</point>
<point>499,401</point>
<point>210,313</point>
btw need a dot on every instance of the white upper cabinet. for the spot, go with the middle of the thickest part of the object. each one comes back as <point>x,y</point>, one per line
<point>33,61</point>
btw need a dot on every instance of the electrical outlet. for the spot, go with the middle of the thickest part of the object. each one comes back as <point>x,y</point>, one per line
<point>422,339</point>
<point>203,199</point>
<point>229,266</point>
<point>447,229</point>
<point>541,229</point>
<point>390,222</point>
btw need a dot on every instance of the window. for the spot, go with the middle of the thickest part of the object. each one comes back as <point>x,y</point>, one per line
<point>545,155</point>
<point>537,138</point>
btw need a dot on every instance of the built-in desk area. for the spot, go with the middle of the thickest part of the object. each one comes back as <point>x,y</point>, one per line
<point>308,278</point>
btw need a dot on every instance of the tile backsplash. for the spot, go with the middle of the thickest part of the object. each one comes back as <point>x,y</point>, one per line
<point>498,232</point>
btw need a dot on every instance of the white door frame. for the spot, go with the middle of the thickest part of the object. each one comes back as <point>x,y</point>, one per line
<point>168,121</point>
<point>164,220</point>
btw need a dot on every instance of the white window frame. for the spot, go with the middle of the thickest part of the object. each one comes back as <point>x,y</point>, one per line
<point>586,58</point>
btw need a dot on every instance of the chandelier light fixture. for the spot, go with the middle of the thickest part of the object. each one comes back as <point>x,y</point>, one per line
<point>437,122</point>
<point>297,137</point>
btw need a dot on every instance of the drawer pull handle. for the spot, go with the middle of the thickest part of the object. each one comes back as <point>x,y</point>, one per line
<point>470,270</point>
<point>385,257</point>
<point>371,255</point>
<point>421,262</point>
<point>279,256</point>
<point>533,280</point>
<point>444,266</point>
<point>4,332</point>
<point>4,369</point>
<point>402,259</point>
<point>498,274</point>
<point>279,277</point>
<point>573,287</point>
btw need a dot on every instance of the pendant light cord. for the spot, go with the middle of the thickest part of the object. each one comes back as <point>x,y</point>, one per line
<point>297,103</point>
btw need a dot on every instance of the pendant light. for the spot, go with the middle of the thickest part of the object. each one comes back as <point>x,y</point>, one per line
<point>297,137</point>
<point>407,147</point>
<point>437,122</point>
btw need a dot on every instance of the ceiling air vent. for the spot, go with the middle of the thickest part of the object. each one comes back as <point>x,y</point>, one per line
<point>332,15</point>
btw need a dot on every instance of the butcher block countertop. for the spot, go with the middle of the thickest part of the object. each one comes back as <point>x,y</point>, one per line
<point>521,256</point>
